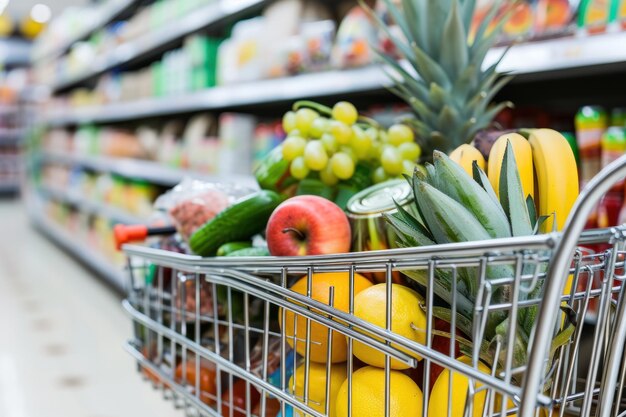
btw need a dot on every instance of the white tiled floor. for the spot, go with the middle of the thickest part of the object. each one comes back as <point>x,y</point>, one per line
<point>61,335</point>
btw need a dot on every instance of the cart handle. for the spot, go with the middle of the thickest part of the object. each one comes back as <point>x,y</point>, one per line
<point>137,233</point>
<point>557,273</point>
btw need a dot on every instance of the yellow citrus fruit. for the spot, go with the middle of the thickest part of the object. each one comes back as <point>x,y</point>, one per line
<point>438,403</point>
<point>407,318</point>
<point>316,398</point>
<point>368,394</point>
<point>320,287</point>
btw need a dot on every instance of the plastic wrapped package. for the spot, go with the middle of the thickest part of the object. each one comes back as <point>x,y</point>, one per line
<point>192,203</point>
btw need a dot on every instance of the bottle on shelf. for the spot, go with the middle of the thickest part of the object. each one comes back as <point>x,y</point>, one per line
<point>590,122</point>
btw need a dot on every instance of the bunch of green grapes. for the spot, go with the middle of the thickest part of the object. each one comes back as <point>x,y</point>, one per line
<point>333,141</point>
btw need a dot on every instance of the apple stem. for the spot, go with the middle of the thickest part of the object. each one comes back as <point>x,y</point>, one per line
<point>294,231</point>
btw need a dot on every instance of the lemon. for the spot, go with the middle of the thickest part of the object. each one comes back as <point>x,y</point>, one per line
<point>407,318</point>
<point>368,394</point>
<point>438,403</point>
<point>316,398</point>
<point>320,287</point>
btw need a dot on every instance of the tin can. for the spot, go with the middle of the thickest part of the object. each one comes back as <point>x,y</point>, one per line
<point>370,230</point>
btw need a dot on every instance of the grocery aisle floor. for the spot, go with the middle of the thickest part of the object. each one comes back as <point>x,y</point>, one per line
<point>61,335</point>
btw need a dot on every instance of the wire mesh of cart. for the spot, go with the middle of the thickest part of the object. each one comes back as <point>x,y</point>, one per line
<point>531,326</point>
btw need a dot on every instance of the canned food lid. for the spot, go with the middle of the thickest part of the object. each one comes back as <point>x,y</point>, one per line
<point>380,198</point>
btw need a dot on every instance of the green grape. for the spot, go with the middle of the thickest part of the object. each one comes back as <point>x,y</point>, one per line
<point>329,142</point>
<point>379,175</point>
<point>350,152</point>
<point>298,168</point>
<point>342,165</point>
<point>383,136</point>
<point>289,121</point>
<point>399,133</point>
<point>410,151</point>
<point>304,120</point>
<point>315,155</point>
<point>375,150</point>
<point>345,112</point>
<point>391,161</point>
<point>360,142</point>
<point>327,176</point>
<point>341,132</point>
<point>372,133</point>
<point>294,132</point>
<point>408,167</point>
<point>319,127</point>
<point>293,147</point>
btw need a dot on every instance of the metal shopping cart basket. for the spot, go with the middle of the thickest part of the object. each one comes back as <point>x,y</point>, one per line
<point>228,337</point>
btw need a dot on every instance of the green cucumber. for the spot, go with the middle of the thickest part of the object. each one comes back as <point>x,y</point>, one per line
<point>238,222</point>
<point>258,251</point>
<point>272,170</point>
<point>230,247</point>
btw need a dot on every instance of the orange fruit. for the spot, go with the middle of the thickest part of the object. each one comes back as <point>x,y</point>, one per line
<point>407,319</point>
<point>320,286</point>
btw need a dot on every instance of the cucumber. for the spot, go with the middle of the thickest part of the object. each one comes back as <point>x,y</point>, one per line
<point>230,247</point>
<point>238,222</point>
<point>258,251</point>
<point>272,170</point>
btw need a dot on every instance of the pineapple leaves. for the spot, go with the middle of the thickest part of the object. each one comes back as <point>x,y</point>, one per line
<point>512,196</point>
<point>409,237</point>
<point>415,12</point>
<point>462,188</point>
<point>453,48</point>
<point>444,82</point>
<point>429,69</point>
<point>447,219</point>
<point>468,13</point>
<point>532,211</point>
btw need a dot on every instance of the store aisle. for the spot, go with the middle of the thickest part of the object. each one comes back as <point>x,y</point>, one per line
<point>61,335</point>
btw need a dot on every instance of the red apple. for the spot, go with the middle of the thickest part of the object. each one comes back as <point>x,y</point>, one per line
<point>308,225</point>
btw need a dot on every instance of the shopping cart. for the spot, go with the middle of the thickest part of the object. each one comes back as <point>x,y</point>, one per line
<point>208,331</point>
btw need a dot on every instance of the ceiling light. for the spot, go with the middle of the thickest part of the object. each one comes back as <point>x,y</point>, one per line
<point>40,13</point>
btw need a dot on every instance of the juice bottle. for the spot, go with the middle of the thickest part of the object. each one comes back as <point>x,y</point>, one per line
<point>590,124</point>
<point>618,13</point>
<point>594,15</point>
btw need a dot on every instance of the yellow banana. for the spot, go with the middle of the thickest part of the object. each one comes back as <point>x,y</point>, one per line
<point>523,159</point>
<point>557,176</point>
<point>465,155</point>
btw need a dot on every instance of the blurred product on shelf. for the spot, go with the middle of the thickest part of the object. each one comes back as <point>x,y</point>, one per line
<point>225,146</point>
<point>591,122</point>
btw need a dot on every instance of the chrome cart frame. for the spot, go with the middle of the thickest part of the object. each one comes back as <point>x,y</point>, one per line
<point>546,312</point>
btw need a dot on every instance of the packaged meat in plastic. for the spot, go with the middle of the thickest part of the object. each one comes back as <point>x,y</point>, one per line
<point>192,203</point>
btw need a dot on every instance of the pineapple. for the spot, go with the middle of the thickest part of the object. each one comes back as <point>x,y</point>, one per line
<point>451,94</point>
<point>454,207</point>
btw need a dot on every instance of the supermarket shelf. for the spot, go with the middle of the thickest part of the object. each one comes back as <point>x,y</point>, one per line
<point>100,209</point>
<point>252,93</point>
<point>537,59</point>
<point>153,42</point>
<point>14,52</point>
<point>146,170</point>
<point>9,188</point>
<point>11,136</point>
<point>108,13</point>
<point>88,256</point>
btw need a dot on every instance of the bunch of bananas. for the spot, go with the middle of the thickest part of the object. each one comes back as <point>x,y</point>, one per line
<point>546,166</point>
